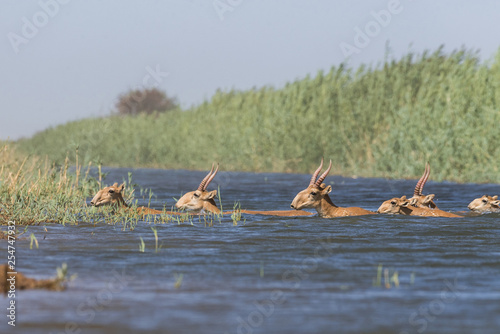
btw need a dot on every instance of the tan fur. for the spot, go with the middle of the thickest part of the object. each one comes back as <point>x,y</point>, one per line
<point>112,195</point>
<point>198,201</point>
<point>281,213</point>
<point>419,200</point>
<point>423,201</point>
<point>201,201</point>
<point>403,206</point>
<point>485,204</point>
<point>315,196</point>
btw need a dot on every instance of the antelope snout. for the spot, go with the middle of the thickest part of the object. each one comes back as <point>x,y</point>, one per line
<point>291,205</point>
<point>92,203</point>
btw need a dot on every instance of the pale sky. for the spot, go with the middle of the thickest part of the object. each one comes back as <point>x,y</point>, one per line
<point>64,60</point>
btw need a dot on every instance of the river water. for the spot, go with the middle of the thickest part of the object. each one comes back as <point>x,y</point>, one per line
<point>271,274</point>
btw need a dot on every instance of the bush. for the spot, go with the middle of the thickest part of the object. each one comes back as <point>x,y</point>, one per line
<point>145,101</point>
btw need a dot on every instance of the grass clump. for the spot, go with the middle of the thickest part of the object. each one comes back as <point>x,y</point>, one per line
<point>34,190</point>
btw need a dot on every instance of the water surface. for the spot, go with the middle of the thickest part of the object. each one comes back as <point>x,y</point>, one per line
<point>271,274</point>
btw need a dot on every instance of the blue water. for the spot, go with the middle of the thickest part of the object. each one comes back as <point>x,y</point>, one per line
<point>267,274</point>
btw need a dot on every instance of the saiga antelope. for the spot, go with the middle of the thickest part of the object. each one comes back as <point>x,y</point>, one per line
<point>402,206</point>
<point>423,201</point>
<point>202,201</point>
<point>112,195</point>
<point>485,204</point>
<point>315,196</point>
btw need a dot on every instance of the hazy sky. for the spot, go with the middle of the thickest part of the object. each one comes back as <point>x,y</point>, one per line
<point>63,60</point>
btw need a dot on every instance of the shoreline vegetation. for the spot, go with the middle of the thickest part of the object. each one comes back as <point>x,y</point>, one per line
<point>382,121</point>
<point>37,191</point>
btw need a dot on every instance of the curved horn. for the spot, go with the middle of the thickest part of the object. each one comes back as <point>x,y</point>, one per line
<point>426,177</point>
<point>315,174</point>
<point>201,187</point>
<point>418,187</point>
<point>323,176</point>
<point>211,177</point>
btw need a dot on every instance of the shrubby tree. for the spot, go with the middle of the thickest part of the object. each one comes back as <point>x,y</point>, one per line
<point>147,101</point>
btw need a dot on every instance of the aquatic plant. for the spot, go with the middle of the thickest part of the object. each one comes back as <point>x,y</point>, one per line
<point>236,214</point>
<point>389,280</point>
<point>34,190</point>
<point>142,245</point>
<point>33,240</point>
<point>178,280</point>
<point>62,274</point>
<point>155,232</point>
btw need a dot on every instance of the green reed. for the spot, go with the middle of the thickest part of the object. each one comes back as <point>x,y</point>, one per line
<point>389,280</point>
<point>155,232</point>
<point>142,245</point>
<point>34,191</point>
<point>178,280</point>
<point>385,121</point>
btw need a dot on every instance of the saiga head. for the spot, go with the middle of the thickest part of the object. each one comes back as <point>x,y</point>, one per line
<point>485,204</point>
<point>197,200</point>
<point>394,205</point>
<point>311,197</point>
<point>109,196</point>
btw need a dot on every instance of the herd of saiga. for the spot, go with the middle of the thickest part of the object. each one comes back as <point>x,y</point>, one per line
<point>315,196</point>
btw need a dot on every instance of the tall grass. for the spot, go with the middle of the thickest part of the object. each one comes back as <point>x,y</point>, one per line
<point>383,121</point>
<point>35,190</point>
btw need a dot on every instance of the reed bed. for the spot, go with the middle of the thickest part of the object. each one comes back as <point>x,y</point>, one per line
<point>35,190</point>
<point>379,121</point>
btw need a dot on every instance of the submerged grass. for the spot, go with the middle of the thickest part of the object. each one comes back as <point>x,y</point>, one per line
<point>383,121</point>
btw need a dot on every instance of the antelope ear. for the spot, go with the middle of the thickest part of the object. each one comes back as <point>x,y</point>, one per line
<point>405,203</point>
<point>122,187</point>
<point>115,184</point>
<point>429,198</point>
<point>403,198</point>
<point>413,201</point>
<point>211,194</point>
<point>327,190</point>
<point>495,197</point>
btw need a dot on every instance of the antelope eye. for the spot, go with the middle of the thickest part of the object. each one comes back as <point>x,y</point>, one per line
<point>314,193</point>
<point>393,202</point>
<point>485,201</point>
<point>196,195</point>
<point>111,191</point>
